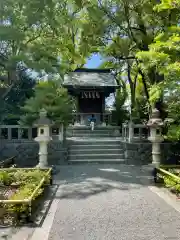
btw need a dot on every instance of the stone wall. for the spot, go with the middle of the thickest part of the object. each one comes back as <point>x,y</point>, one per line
<point>26,152</point>
<point>137,153</point>
<point>140,153</point>
<point>170,153</point>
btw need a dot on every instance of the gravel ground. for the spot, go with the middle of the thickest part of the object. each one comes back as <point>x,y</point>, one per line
<point>103,202</point>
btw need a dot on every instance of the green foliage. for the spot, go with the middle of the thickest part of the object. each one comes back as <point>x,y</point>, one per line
<point>5,178</point>
<point>120,115</point>
<point>171,183</point>
<point>126,27</point>
<point>138,40</point>
<point>141,111</point>
<point>163,54</point>
<point>155,93</point>
<point>172,102</point>
<point>23,193</point>
<point>27,177</point>
<point>27,180</point>
<point>10,107</point>
<point>52,97</point>
<point>44,35</point>
<point>21,177</point>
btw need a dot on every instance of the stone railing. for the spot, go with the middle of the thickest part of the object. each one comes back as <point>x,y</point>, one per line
<point>19,141</point>
<point>14,132</point>
<point>134,132</point>
<point>82,118</point>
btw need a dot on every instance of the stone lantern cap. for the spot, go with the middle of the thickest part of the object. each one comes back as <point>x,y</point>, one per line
<point>155,120</point>
<point>43,120</point>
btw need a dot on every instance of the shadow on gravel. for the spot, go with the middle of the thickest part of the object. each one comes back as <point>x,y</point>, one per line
<point>82,181</point>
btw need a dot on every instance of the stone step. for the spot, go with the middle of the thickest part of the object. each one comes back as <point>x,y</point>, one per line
<point>99,127</point>
<point>96,161</point>
<point>95,146</point>
<point>95,151</point>
<point>99,131</point>
<point>100,142</point>
<point>89,134</point>
<point>95,131</point>
<point>95,156</point>
<point>100,135</point>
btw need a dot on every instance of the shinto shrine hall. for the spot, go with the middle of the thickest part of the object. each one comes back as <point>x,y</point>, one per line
<point>90,87</point>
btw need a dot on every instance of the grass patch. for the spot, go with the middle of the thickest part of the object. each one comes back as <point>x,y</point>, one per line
<point>19,189</point>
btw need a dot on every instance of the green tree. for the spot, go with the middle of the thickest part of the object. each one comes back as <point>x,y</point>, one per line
<point>44,35</point>
<point>121,29</point>
<point>120,114</point>
<point>10,107</point>
<point>163,56</point>
<point>53,98</point>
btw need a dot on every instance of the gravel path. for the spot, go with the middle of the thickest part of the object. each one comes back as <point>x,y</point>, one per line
<point>103,202</point>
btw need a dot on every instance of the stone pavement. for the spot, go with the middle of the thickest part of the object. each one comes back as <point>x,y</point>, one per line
<point>108,202</point>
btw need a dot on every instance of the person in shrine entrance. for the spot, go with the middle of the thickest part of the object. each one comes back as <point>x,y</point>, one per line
<point>92,121</point>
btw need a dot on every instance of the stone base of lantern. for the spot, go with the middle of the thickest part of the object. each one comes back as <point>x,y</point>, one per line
<point>43,154</point>
<point>43,162</point>
<point>156,150</point>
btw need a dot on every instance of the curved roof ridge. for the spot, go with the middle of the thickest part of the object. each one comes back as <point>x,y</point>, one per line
<point>93,70</point>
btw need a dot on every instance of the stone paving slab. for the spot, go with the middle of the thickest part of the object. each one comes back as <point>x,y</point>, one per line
<point>110,202</point>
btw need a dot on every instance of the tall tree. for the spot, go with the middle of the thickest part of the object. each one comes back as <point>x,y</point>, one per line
<point>44,35</point>
<point>163,55</point>
<point>10,108</point>
<point>122,29</point>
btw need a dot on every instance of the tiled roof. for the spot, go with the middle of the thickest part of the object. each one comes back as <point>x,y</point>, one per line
<point>90,77</point>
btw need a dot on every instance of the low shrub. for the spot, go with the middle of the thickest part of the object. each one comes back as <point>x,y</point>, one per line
<point>171,182</point>
<point>26,182</point>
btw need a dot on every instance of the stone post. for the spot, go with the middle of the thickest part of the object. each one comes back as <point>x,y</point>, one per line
<point>155,123</point>
<point>1,133</point>
<point>19,133</point>
<point>140,133</point>
<point>131,131</point>
<point>30,133</point>
<point>122,132</point>
<point>61,133</point>
<point>9,133</point>
<point>43,124</point>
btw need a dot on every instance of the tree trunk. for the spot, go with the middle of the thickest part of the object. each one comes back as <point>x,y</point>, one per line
<point>132,89</point>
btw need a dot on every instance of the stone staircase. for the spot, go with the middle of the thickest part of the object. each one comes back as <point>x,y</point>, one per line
<point>99,132</point>
<point>98,146</point>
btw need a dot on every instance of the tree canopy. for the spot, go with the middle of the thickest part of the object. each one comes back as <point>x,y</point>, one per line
<point>124,30</point>
<point>138,39</point>
<point>10,107</point>
<point>44,35</point>
<point>53,98</point>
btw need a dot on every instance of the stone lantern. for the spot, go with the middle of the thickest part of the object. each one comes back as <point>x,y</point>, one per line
<point>155,124</point>
<point>43,137</point>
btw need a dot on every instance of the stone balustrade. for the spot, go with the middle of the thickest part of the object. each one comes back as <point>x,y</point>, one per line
<point>19,141</point>
<point>134,132</point>
<point>14,132</point>
<point>101,118</point>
